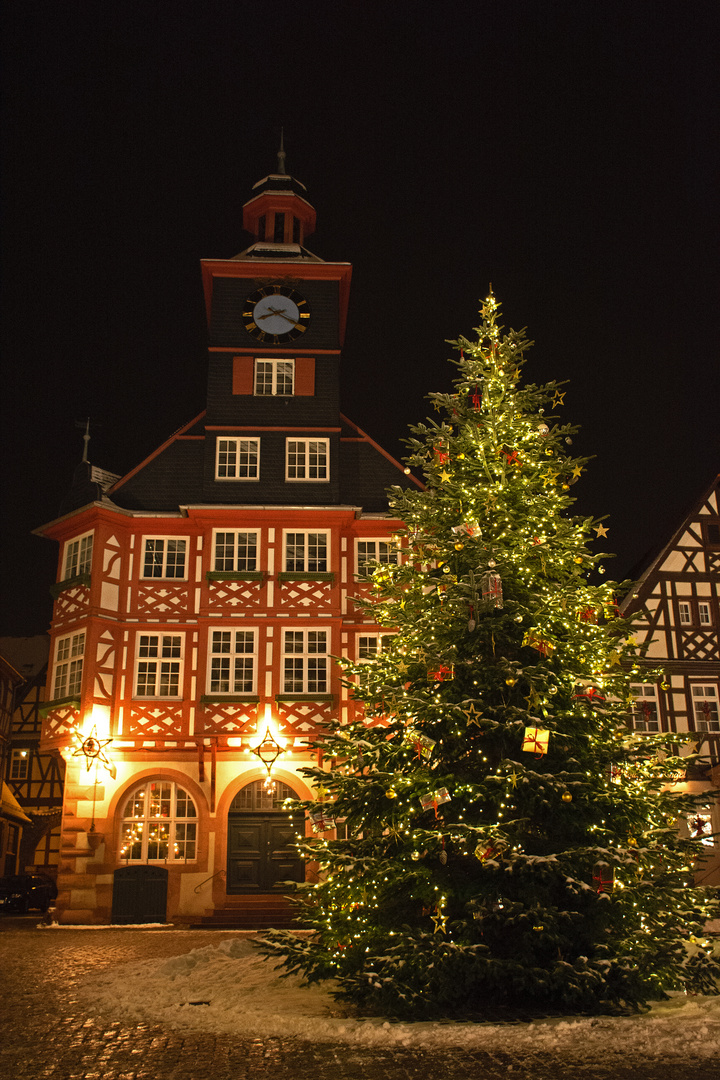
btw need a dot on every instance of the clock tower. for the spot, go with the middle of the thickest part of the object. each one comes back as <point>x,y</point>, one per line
<point>201,600</point>
<point>276,320</point>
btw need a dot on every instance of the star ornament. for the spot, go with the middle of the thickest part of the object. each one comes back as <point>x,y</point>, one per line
<point>440,921</point>
<point>559,399</point>
<point>92,749</point>
<point>600,530</point>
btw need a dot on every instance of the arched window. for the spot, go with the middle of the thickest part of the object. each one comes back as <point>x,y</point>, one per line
<point>159,824</point>
<point>256,797</point>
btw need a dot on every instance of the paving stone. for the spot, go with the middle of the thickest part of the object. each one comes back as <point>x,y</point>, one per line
<point>48,1033</point>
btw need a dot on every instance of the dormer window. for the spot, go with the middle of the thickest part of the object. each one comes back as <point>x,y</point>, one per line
<point>279,234</point>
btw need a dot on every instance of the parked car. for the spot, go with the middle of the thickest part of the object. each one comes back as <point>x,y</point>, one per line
<point>20,892</point>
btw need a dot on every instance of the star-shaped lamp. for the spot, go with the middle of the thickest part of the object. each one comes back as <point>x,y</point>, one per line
<point>268,750</point>
<point>92,749</point>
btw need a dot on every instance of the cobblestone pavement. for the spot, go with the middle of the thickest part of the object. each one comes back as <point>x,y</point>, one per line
<point>48,1033</point>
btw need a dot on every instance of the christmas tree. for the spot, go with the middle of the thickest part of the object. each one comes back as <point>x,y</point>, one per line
<point>505,840</point>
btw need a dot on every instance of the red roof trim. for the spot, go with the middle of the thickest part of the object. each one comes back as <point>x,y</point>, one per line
<point>364,437</point>
<point>175,435</point>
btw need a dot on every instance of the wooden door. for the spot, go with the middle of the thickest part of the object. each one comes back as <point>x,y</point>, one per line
<point>261,852</point>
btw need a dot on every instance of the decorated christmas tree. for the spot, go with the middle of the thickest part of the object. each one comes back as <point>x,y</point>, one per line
<point>505,841</point>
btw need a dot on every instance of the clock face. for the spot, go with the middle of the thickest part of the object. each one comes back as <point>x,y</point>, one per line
<point>276,314</point>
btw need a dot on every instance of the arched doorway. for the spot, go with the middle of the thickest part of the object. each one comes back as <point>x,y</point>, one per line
<point>261,840</point>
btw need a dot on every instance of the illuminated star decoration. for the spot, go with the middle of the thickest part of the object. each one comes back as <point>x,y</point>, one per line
<point>440,921</point>
<point>444,476</point>
<point>559,399</point>
<point>600,530</point>
<point>513,778</point>
<point>93,750</point>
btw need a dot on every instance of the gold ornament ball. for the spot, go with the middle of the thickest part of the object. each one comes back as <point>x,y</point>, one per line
<point>459,547</point>
<point>406,471</point>
<point>578,558</point>
<point>415,855</point>
<point>510,681</point>
<point>391,793</point>
<point>538,928</point>
<point>664,686</point>
<point>461,457</point>
<point>566,796</point>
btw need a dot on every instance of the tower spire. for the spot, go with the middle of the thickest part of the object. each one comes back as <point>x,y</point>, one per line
<point>281,155</point>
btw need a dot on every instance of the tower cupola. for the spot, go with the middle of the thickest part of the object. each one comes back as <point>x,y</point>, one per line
<point>279,215</point>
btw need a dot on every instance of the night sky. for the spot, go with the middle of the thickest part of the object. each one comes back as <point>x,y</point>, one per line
<point>564,150</point>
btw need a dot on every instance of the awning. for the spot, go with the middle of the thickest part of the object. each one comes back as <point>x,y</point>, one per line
<point>10,807</point>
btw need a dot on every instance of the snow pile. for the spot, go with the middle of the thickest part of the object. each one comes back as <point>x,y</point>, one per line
<point>231,988</point>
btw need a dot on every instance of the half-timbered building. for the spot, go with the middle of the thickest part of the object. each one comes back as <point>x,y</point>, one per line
<point>679,595</point>
<point>34,778</point>
<point>201,598</point>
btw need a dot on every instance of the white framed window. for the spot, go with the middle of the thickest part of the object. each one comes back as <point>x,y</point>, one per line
<point>307,459</point>
<point>69,665</point>
<point>705,706</point>
<point>685,612</point>
<point>374,551</point>
<point>704,616</point>
<point>274,378</point>
<point>305,661</point>
<point>19,763</point>
<point>645,713</point>
<point>371,645</point>
<point>306,552</point>
<point>159,665</point>
<point>78,556</point>
<point>164,557</point>
<point>159,824</point>
<point>237,459</point>
<point>232,661</point>
<point>235,552</point>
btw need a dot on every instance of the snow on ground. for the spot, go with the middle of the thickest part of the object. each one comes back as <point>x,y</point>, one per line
<point>231,988</point>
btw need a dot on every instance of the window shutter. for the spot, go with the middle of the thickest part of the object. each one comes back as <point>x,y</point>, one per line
<point>243,367</point>
<point>305,376</point>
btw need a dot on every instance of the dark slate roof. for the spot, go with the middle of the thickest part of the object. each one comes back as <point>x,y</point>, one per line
<point>173,476</point>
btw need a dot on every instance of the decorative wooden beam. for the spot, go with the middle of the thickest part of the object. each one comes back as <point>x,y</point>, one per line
<point>201,760</point>
<point>213,769</point>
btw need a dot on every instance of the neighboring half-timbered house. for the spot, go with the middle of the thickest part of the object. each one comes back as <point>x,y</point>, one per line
<point>200,600</point>
<point>34,778</point>
<point>679,594</point>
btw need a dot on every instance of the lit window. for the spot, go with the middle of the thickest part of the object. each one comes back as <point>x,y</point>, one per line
<point>274,378</point>
<point>306,552</point>
<point>705,707</point>
<point>78,557</point>
<point>306,459</point>
<point>645,710</point>
<point>159,824</point>
<point>69,665</point>
<point>305,662</point>
<point>238,459</point>
<point>232,662</point>
<point>19,764</point>
<point>158,665</point>
<point>685,612</point>
<point>235,552</point>
<point>374,551</point>
<point>164,558</point>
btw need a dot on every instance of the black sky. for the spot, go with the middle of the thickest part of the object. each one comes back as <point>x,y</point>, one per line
<point>566,151</point>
